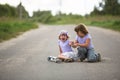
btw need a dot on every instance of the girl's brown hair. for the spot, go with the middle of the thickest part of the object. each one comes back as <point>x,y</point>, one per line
<point>82,28</point>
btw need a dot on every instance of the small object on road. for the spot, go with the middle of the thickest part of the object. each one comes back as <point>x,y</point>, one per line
<point>54,59</point>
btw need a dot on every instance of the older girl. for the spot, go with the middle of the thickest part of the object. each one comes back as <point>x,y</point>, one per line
<point>84,43</point>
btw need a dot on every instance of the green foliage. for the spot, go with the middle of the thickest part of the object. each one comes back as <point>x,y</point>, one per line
<point>42,16</point>
<point>65,19</point>
<point>21,10</point>
<point>7,11</point>
<point>109,24</point>
<point>97,12</point>
<point>111,7</point>
<point>46,17</point>
<point>108,17</point>
<point>13,28</point>
<point>10,11</point>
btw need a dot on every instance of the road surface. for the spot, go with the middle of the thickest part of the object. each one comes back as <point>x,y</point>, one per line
<point>25,57</point>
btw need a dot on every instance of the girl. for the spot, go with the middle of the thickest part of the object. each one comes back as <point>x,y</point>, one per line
<point>66,52</point>
<point>84,43</point>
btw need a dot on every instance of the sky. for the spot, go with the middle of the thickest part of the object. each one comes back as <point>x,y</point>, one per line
<point>81,7</point>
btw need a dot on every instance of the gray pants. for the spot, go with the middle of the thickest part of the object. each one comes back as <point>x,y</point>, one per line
<point>87,53</point>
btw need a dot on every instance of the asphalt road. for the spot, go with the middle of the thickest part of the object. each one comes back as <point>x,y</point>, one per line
<point>25,57</point>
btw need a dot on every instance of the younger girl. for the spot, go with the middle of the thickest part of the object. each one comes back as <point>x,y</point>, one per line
<point>66,52</point>
<point>84,43</point>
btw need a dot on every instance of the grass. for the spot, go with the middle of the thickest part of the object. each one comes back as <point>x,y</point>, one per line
<point>12,28</point>
<point>109,22</point>
<point>114,25</point>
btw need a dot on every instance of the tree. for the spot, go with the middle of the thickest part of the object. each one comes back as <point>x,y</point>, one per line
<point>42,16</point>
<point>111,7</point>
<point>10,11</point>
<point>21,12</point>
<point>95,12</point>
<point>7,11</point>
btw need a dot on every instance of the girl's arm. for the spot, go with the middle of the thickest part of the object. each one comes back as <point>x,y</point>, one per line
<point>60,49</point>
<point>86,44</point>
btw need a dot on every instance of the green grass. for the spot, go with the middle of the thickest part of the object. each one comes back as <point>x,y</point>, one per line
<point>114,25</point>
<point>109,22</point>
<point>12,28</point>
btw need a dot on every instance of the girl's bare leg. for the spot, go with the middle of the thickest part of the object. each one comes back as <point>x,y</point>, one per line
<point>62,57</point>
<point>65,58</point>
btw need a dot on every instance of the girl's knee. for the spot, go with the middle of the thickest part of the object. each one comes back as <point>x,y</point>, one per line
<point>82,50</point>
<point>59,55</point>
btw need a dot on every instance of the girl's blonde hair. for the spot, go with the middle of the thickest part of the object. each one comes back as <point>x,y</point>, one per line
<point>82,28</point>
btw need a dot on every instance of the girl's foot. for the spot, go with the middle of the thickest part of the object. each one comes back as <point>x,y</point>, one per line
<point>57,60</point>
<point>78,60</point>
<point>99,57</point>
<point>68,60</point>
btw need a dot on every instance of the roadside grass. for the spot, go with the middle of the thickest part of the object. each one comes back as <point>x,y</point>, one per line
<point>11,28</point>
<point>114,25</point>
<point>107,21</point>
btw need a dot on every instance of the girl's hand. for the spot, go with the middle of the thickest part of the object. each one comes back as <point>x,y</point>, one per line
<point>71,43</point>
<point>76,44</point>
